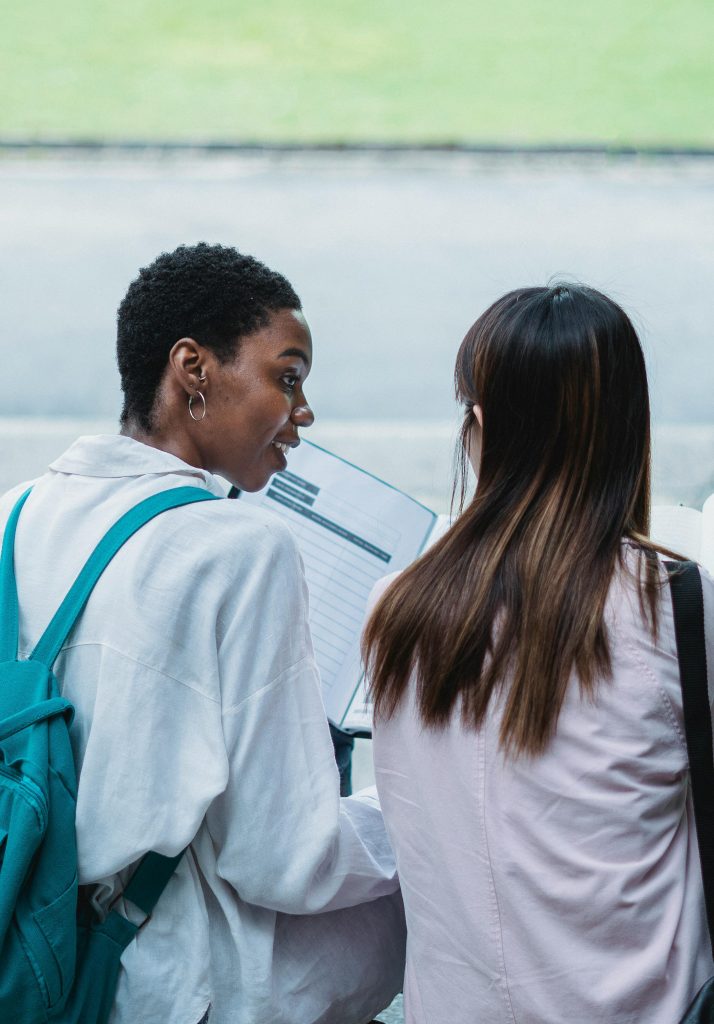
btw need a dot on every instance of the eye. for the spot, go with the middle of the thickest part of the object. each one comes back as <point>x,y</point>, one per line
<point>289,381</point>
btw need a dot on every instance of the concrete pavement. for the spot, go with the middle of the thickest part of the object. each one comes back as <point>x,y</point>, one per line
<point>394,257</point>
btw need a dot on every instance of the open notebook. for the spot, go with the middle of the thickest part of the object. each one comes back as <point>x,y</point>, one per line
<point>352,529</point>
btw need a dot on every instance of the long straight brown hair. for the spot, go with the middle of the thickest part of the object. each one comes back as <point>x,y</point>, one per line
<point>515,592</point>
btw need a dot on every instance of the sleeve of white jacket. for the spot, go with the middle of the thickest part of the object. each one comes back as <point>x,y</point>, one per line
<point>284,837</point>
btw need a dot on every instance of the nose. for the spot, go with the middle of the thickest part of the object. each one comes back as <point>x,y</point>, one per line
<point>302,416</point>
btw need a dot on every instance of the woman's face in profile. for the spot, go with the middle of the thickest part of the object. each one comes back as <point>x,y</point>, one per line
<point>256,403</point>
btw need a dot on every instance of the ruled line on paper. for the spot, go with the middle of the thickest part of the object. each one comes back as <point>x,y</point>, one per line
<point>329,548</point>
<point>333,651</point>
<point>376,530</point>
<point>349,623</point>
<point>353,599</point>
<point>346,623</point>
<point>325,649</point>
<point>335,556</point>
<point>306,524</point>
<point>328,524</point>
<point>321,581</point>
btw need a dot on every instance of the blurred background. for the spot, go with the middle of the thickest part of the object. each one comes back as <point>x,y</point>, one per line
<point>403,164</point>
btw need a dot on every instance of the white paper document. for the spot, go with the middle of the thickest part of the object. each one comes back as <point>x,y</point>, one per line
<point>352,529</point>
<point>686,531</point>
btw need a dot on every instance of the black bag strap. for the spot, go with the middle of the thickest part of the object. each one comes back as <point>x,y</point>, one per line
<point>688,605</point>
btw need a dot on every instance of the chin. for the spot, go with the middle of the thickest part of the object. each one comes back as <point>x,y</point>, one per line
<point>253,482</point>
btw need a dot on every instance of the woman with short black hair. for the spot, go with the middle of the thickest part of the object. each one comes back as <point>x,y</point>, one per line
<point>529,744</point>
<point>199,720</point>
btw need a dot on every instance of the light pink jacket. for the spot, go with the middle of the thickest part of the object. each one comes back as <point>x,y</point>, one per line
<point>565,888</point>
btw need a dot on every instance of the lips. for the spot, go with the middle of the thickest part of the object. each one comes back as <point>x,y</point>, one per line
<point>285,444</point>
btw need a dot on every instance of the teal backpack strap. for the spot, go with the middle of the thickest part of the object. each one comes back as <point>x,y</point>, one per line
<point>54,967</point>
<point>9,611</point>
<point>149,880</point>
<point>50,643</point>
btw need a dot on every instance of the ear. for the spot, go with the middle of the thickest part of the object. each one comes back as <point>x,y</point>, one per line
<point>187,361</point>
<point>478,413</point>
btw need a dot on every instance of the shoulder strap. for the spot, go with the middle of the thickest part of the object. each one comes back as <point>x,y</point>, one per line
<point>688,605</point>
<point>150,879</point>
<point>9,612</point>
<point>49,644</point>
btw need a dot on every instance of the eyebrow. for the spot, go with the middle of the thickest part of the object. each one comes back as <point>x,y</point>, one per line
<point>299,352</point>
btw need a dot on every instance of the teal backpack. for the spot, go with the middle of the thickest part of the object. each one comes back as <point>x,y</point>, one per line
<point>58,963</point>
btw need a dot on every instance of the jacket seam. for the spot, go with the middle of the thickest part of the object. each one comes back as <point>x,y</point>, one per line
<point>664,699</point>
<point>236,708</point>
<point>134,661</point>
<point>492,881</point>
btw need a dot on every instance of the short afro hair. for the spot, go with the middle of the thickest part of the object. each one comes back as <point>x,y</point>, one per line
<point>211,293</point>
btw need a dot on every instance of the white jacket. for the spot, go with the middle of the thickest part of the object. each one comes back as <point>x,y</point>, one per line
<point>199,721</point>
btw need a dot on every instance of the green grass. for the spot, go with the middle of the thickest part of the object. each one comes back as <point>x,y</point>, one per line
<point>524,71</point>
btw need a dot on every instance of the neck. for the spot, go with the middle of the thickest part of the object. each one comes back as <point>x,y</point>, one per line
<point>174,442</point>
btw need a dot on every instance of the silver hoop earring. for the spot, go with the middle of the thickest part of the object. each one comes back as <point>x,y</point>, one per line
<point>197,419</point>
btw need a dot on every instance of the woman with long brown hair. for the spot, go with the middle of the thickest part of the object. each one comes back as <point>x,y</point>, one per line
<point>529,745</point>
